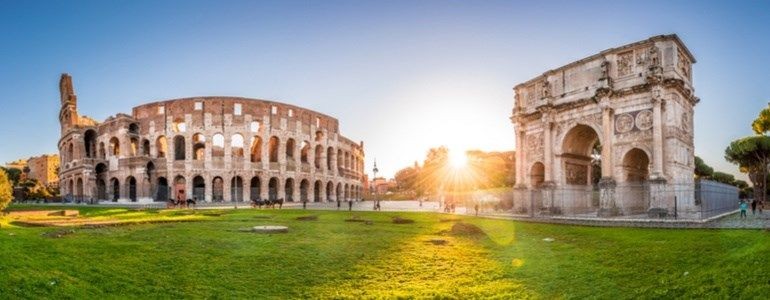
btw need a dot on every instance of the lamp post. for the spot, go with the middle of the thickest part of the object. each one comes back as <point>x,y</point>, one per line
<point>374,183</point>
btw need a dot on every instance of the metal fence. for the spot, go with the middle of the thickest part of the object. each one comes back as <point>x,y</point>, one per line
<point>700,200</point>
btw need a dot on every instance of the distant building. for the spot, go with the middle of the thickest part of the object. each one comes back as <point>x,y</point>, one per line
<point>17,164</point>
<point>44,169</point>
<point>380,185</point>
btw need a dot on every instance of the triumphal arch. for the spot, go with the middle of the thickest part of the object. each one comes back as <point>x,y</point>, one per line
<point>610,134</point>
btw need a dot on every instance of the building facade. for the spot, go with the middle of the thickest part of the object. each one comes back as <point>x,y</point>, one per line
<point>611,133</point>
<point>213,149</point>
<point>44,168</point>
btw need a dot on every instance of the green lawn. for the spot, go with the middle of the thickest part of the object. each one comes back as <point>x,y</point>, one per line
<point>330,258</point>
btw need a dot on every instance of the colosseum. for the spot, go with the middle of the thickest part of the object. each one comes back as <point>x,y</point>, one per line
<point>213,149</point>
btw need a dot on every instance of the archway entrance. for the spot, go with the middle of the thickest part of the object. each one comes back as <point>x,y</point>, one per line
<point>132,188</point>
<point>317,191</point>
<point>199,188</point>
<point>115,189</point>
<point>162,190</point>
<point>303,186</point>
<point>636,166</point>
<point>272,187</point>
<point>256,188</point>
<point>218,189</point>
<point>289,189</point>
<point>579,153</point>
<point>179,188</point>
<point>236,189</point>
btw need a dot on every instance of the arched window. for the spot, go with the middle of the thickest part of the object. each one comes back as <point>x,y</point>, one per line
<point>289,189</point>
<point>319,135</point>
<point>102,151</point>
<point>90,143</point>
<point>146,148</point>
<point>134,146</point>
<point>236,189</point>
<point>290,149</point>
<point>218,145</point>
<point>236,146</point>
<point>70,152</point>
<point>273,151</point>
<point>218,189</point>
<point>115,146</point>
<point>318,153</point>
<point>255,188</point>
<point>133,128</point>
<point>179,148</point>
<point>161,146</point>
<point>254,126</point>
<point>304,152</point>
<point>199,146</point>
<point>256,150</point>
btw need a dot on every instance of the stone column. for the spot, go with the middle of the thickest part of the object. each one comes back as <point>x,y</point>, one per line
<point>657,138</point>
<point>548,155</point>
<point>246,189</point>
<point>281,186</point>
<point>321,193</point>
<point>264,188</point>
<point>607,206</point>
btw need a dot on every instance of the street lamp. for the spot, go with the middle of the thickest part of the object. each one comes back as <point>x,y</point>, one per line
<point>374,183</point>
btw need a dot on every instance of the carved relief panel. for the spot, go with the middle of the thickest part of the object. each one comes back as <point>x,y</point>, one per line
<point>640,120</point>
<point>625,62</point>
<point>576,173</point>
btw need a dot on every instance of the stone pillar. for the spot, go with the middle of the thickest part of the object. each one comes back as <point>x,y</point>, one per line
<point>520,159</point>
<point>321,193</point>
<point>264,189</point>
<point>657,138</point>
<point>281,186</point>
<point>226,189</point>
<point>607,205</point>
<point>548,155</point>
<point>246,189</point>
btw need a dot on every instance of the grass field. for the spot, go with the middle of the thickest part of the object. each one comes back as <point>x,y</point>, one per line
<point>330,258</point>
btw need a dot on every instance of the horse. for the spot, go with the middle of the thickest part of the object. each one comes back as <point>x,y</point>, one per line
<point>190,202</point>
<point>257,203</point>
<point>272,203</point>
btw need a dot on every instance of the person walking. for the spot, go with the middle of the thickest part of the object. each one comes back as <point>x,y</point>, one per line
<point>476,208</point>
<point>753,207</point>
<point>350,205</point>
<point>743,206</point>
<point>338,204</point>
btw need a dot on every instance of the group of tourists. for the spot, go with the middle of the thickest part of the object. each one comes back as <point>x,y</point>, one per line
<point>755,205</point>
<point>181,203</point>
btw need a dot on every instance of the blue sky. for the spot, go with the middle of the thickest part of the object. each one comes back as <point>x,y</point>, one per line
<point>401,75</point>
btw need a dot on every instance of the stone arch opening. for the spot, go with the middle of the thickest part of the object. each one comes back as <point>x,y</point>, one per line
<point>273,149</point>
<point>179,148</point>
<point>133,128</point>
<point>303,190</point>
<point>70,152</point>
<point>89,139</point>
<point>79,189</point>
<point>218,189</point>
<point>636,166</point>
<point>145,147</point>
<point>329,190</point>
<point>290,149</point>
<point>305,152</point>
<point>339,192</point>
<point>131,182</point>
<point>256,150</point>
<point>161,146</point>
<point>161,193</point>
<point>236,189</point>
<point>180,187</point>
<point>318,153</point>
<point>255,188</point>
<point>329,157</point>
<point>134,146</point>
<point>289,189</point>
<point>272,189</point>
<point>579,148</point>
<point>101,189</point>
<point>115,183</point>
<point>199,146</point>
<point>218,145</point>
<point>319,135</point>
<point>199,188</point>
<point>236,146</point>
<point>102,151</point>
<point>537,174</point>
<point>317,191</point>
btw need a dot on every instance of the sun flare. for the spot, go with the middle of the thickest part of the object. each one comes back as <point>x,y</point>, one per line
<point>458,159</point>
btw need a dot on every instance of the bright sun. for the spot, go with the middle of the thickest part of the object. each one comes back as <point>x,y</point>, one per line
<point>458,159</point>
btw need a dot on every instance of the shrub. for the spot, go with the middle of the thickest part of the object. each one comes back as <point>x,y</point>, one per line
<point>6,191</point>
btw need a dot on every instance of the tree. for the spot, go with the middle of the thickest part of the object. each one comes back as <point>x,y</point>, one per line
<point>13,174</point>
<point>702,170</point>
<point>761,124</point>
<point>752,154</point>
<point>6,190</point>
<point>723,178</point>
<point>407,179</point>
